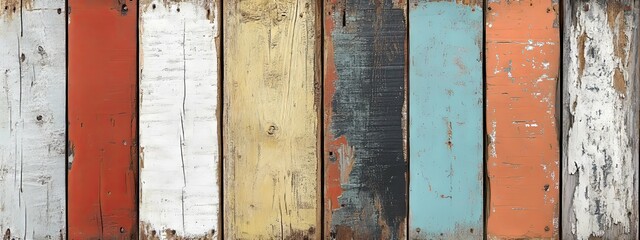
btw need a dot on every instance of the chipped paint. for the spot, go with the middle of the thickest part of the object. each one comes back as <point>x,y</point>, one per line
<point>602,138</point>
<point>365,119</point>
<point>32,120</point>
<point>271,119</point>
<point>178,119</point>
<point>446,121</point>
<point>521,119</point>
<point>102,120</point>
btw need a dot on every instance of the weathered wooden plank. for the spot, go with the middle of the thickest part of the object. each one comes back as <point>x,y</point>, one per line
<point>445,120</point>
<point>271,119</point>
<point>365,119</point>
<point>522,66</point>
<point>601,119</point>
<point>178,119</point>
<point>102,102</point>
<point>32,119</point>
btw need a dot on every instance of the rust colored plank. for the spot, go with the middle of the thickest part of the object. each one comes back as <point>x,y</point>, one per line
<point>522,67</point>
<point>102,102</point>
<point>365,119</point>
<point>271,129</point>
<point>601,119</point>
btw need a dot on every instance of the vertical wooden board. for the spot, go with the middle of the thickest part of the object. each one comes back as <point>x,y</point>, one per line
<point>601,120</point>
<point>32,119</point>
<point>102,115</point>
<point>445,120</point>
<point>522,67</point>
<point>365,119</point>
<point>270,119</point>
<point>178,120</point>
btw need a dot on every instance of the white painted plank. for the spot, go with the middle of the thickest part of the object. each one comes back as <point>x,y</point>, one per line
<point>601,120</point>
<point>179,189</point>
<point>32,119</point>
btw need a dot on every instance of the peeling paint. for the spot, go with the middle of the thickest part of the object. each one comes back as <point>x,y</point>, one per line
<point>600,141</point>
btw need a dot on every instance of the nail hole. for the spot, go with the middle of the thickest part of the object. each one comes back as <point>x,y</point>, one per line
<point>177,9</point>
<point>6,7</point>
<point>59,11</point>
<point>22,57</point>
<point>121,230</point>
<point>330,153</point>
<point>39,117</point>
<point>153,6</point>
<point>418,229</point>
<point>125,9</point>
<point>272,130</point>
<point>546,228</point>
<point>546,187</point>
<point>153,232</point>
<point>489,8</point>
<point>471,230</point>
<point>173,232</point>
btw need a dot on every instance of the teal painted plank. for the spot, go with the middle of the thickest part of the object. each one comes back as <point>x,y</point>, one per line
<point>445,120</point>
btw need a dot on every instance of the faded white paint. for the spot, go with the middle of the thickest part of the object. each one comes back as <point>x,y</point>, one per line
<point>599,146</point>
<point>32,120</point>
<point>179,187</point>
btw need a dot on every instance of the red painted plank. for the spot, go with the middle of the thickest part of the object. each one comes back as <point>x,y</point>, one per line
<point>102,114</point>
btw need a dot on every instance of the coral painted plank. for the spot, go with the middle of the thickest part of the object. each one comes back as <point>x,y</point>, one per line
<point>179,191</point>
<point>522,67</point>
<point>601,119</point>
<point>271,127</point>
<point>102,102</point>
<point>365,119</point>
<point>445,120</point>
<point>32,119</point>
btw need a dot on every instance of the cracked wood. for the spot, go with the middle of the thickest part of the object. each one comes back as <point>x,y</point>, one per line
<point>32,119</point>
<point>102,98</point>
<point>270,120</point>
<point>601,119</point>
<point>445,120</point>
<point>365,119</point>
<point>179,191</point>
<point>522,66</point>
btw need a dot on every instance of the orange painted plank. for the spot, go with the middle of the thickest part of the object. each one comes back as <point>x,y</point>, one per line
<point>102,102</point>
<point>522,60</point>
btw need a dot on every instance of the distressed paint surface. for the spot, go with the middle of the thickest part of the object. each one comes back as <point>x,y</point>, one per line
<point>270,120</point>
<point>32,119</point>
<point>178,120</point>
<point>365,119</point>
<point>102,102</point>
<point>445,120</point>
<point>601,121</point>
<point>522,67</point>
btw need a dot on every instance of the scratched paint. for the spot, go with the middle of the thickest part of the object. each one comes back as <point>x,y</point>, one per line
<point>445,120</point>
<point>178,120</point>
<point>102,119</point>
<point>365,120</point>
<point>270,119</point>
<point>522,67</point>
<point>32,119</point>
<point>601,120</point>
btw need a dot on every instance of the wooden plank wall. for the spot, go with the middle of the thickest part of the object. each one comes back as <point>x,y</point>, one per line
<point>102,119</point>
<point>601,119</point>
<point>32,119</point>
<point>179,182</point>
<point>365,154</point>
<point>271,119</point>
<point>522,67</point>
<point>445,119</point>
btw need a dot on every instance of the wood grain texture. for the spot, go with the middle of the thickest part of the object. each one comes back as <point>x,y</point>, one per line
<point>32,119</point>
<point>365,119</point>
<point>601,119</point>
<point>271,119</point>
<point>179,188</point>
<point>445,120</point>
<point>102,115</point>
<point>522,66</point>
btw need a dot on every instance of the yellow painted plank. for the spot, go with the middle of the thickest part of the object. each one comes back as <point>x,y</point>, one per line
<point>270,119</point>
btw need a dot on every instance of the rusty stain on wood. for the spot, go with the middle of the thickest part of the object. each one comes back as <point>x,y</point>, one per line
<point>600,128</point>
<point>270,119</point>
<point>365,113</point>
